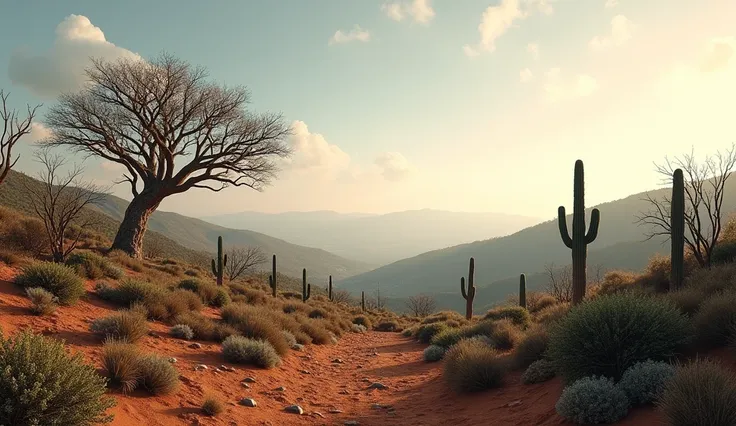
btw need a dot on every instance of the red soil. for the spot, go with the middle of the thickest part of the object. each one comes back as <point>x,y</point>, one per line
<point>416,393</point>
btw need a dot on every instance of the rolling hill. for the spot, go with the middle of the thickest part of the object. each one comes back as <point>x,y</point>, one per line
<point>378,239</point>
<point>197,236</point>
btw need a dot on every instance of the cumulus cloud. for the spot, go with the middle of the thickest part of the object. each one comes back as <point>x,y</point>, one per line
<point>312,152</point>
<point>61,68</point>
<point>394,166</point>
<point>356,34</point>
<point>39,132</point>
<point>719,54</point>
<point>497,20</point>
<point>420,11</point>
<point>533,49</point>
<point>622,30</point>
<point>558,88</point>
<point>526,75</point>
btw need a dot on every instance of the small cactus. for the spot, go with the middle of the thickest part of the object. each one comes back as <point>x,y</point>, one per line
<point>362,300</point>
<point>329,289</point>
<point>522,290</point>
<point>306,288</point>
<point>470,294</point>
<point>272,277</point>
<point>677,231</point>
<point>218,266</point>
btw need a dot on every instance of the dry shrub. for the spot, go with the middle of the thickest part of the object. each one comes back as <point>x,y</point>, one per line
<point>505,335</point>
<point>242,350</point>
<point>472,366</point>
<point>518,315</point>
<point>189,299</point>
<point>713,280</point>
<point>42,302</point>
<point>364,321</point>
<point>536,301</point>
<point>256,323</point>
<point>714,320</point>
<point>251,295</point>
<point>319,335</point>
<point>443,316</point>
<point>158,375</point>
<point>532,347</point>
<point>58,279</point>
<point>27,235</point>
<point>212,406</point>
<point>553,314</point>
<point>203,327</point>
<point>126,324</point>
<point>120,361</point>
<point>688,299</point>
<point>616,282</point>
<point>657,272</point>
<point>123,259</point>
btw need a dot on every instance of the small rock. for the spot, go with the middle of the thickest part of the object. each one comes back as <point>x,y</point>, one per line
<point>334,411</point>
<point>298,347</point>
<point>338,361</point>
<point>280,389</point>
<point>245,385</point>
<point>294,409</point>
<point>377,385</point>
<point>358,366</point>
<point>318,414</point>
<point>304,371</point>
<point>200,367</point>
<point>249,380</point>
<point>217,370</point>
<point>226,368</point>
<point>376,406</point>
<point>248,402</point>
<point>514,403</point>
<point>154,334</point>
<point>172,360</point>
<point>196,345</point>
<point>351,423</point>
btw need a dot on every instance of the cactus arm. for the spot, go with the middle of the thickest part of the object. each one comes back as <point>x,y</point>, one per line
<point>462,288</point>
<point>214,268</point>
<point>562,224</point>
<point>595,219</point>
<point>309,290</point>
<point>224,260</point>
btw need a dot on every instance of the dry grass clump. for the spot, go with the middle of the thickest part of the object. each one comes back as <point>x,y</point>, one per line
<point>58,279</point>
<point>158,375</point>
<point>243,350</point>
<point>123,259</point>
<point>42,302</point>
<point>127,325</point>
<point>120,361</point>
<point>532,347</point>
<point>505,335</point>
<point>714,320</point>
<point>255,323</point>
<point>212,406</point>
<point>518,315</point>
<point>472,366</point>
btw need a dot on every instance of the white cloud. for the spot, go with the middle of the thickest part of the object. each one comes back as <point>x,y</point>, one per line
<point>719,54</point>
<point>526,75</point>
<point>420,11</point>
<point>557,88</point>
<point>394,166</point>
<point>611,4</point>
<point>38,133</point>
<point>533,48</point>
<point>61,68</point>
<point>356,34</point>
<point>496,20</point>
<point>622,30</point>
<point>312,152</point>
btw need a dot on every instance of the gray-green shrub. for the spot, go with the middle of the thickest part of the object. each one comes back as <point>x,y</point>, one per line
<point>532,347</point>
<point>182,331</point>
<point>518,315</point>
<point>434,353</point>
<point>129,325</point>
<point>158,375</point>
<point>644,382</point>
<point>62,281</point>
<point>43,302</point>
<point>242,350</point>
<point>593,400</point>
<point>538,371</point>
<point>714,319</point>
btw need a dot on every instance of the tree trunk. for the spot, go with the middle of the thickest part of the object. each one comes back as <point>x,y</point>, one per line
<point>130,234</point>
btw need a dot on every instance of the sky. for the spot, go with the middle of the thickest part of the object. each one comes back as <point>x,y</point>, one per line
<point>472,105</point>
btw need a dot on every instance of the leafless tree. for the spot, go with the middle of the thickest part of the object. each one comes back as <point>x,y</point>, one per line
<point>242,259</point>
<point>421,305</point>
<point>559,283</point>
<point>380,302</point>
<point>13,128</point>
<point>705,185</point>
<point>60,202</point>
<point>171,130</point>
<point>153,247</point>
<point>597,272</point>
<point>341,296</point>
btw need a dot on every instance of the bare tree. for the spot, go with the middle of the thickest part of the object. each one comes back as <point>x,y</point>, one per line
<point>153,248</point>
<point>705,185</point>
<point>13,128</point>
<point>341,296</point>
<point>559,283</point>
<point>171,130</point>
<point>242,259</point>
<point>380,302</point>
<point>421,305</point>
<point>59,201</point>
<point>598,272</point>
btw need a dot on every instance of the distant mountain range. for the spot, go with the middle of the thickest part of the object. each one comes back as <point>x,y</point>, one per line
<point>378,239</point>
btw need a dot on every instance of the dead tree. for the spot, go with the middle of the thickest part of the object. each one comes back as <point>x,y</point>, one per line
<point>705,185</point>
<point>60,202</point>
<point>421,305</point>
<point>171,130</point>
<point>559,282</point>
<point>240,260</point>
<point>13,129</point>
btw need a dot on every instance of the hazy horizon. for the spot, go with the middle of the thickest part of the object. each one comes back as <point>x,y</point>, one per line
<point>479,106</point>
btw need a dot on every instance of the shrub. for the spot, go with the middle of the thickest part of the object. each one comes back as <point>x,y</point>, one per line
<point>723,252</point>
<point>388,326</point>
<point>58,279</point>
<point>408,332</point>
<point>317,313</point>
<point>129,291</point>
<point>221,299</point>
<point>92,266</point>
<point>609,334</point>
<point>714,319</point>
<point>206,291</point>
<point>447,337</point>
<point>187,298</point>
<point>531,348</point>
<point>426,332</point>
<point>158,375</point>
<point>483,328</point>
<point>644,382</point>
<point>182,331</point>
<point>553,314</point>
<point>364,321</point>
<point>700,393</point>
<point>42,301</point>
<point>28,235</point>
<point>357,328</point>
<point>120,360</point>
<point>126,260</point>
<point>616,282</point>
<point>203,327</point>
<point>128,325</point>
<point>319,335</point>
<point>444,316</point>
<point>539,371</point>
<point>593,400</point>
<point>212,406</point>
<point>434,353</point>
<point>242,350</point>
<point>516,314</point>
<point>256,323</point>
<point>471,366</point>
<point>505,336</point>
<point>688,299</point>
<point>221,331</point>
<point>41,384</point>
<point>290,339</point>
<point>542,302</point>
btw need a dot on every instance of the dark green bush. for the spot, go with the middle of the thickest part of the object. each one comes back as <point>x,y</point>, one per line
<point>471,366</point>
<point>713,321</point>
<point>426,332</point>
<point>539,371</point>
<point>242,350</point>
<point>723,252</point>
<point>516,314</point>
<point>609,334</point>
<point>221,299</point>
<point>363,320</point>
<point>129,291</point>
<point>593,400</point>
<point>447,337</point>
<point>60,280</point>
<point>388,326</point>
<point>92,266</point>
<point>41,384</point>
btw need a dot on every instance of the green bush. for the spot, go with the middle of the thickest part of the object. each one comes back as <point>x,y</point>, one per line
<point>60,280</point>
<point>42,301</point>
<point>516,314</point>
<point>723,252</point>
<point>609,334</point>
<point>256,323</point>
<point>120,360</point>
<point>158,375</point>
<point>593,400</point>
<point>92,266</point>
<point>41,384</point>
<point>644,382</point>
<point>434,353</point>
<point>242,350</point>
<point>505,336</point>
<point>128,291</point>
<point>701,393</point>
<point>182,331</point>
<point>426,332</point>
<point>447,337</point>
<point>127,324</point>
<point>538,371</point>
<point>532,347</point>
<point>205,290</point>
<point>221,299</point>
<point>471,366</point>
<point>714,319</point>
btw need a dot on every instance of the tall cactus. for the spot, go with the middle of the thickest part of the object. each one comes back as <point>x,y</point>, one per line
<point>272,277</point>
<point>329,289</point>
<point>306,288</point>
<point>470,294</point>
<point>362,300</point>
<point>219,266</point>
<point>677,231</point>
<point>522,290</point>
<point>579,240</point>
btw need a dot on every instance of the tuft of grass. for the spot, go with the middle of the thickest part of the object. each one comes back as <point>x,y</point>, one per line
<point>120,360</point>
<point>505,335</point>
<point>516,314</point>
<point>92,266</point>
<point>182,331</point>
<point>713,321</point>
<point>58,279</point>
<point>388,326</point>
<point>125,324</point>
<point>531,348</point>
<point>158,375</point>
<point>242,350</point>
<point>256,323</point>
<point>42,302</point>
<point>212,406</point>
<point>472,366</point>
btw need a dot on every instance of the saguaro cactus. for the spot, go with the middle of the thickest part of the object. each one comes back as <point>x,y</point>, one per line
<point>329,289</point>
<point>219,266</point>
<point>362,300</point>
<point>272,277</point>
<point>306,288</point>
<point>677,231</point>
<point>579,240</point>
<point>522,290</point>
<point>470,294</point>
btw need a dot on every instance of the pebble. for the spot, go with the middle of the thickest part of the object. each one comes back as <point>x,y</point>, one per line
<point>172,360</point>
<point>249,380</point>
<point>196,345</point>
<point>200,367</point>
<point>377,385</point>
<point>304,371</point>
<point>318,414</point>
<point>294,409</point>
<point>337,361</point>
<point>248,402</point>
<point>351,423</point>
<point>245,385</point>
<point>280,389</point>
<point>334,411</point>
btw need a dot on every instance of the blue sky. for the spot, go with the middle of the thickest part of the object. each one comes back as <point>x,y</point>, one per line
<point>405,116</point>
